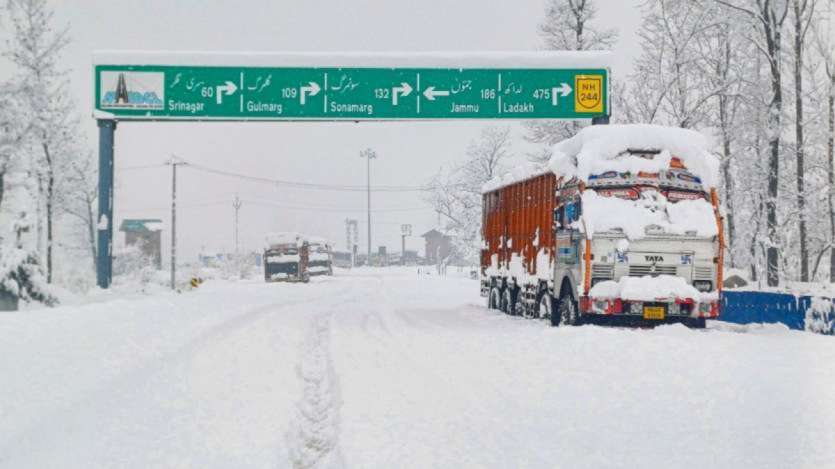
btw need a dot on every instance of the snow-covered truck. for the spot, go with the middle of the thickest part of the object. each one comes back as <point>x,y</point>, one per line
<point>286,258</point>
<point>625,221</point>
<point>321,260</point>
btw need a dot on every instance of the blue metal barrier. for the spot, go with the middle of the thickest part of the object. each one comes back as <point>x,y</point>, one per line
<point>743,307</point>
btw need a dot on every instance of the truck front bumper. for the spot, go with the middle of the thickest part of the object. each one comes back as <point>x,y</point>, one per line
<point>659,309</point>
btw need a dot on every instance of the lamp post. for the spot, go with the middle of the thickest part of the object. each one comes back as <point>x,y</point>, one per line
<point>174,162</point>
<point>405,230</point>
<point>369,155</point>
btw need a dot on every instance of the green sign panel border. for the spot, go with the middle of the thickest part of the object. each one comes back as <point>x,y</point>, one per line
<point>397,94</point>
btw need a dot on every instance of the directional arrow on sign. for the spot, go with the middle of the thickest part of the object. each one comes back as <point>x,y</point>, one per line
<point>228,89</point>
<point>311,90</point>
<point>431,93</point>
<point>403,90</point>
<point>564,90</point>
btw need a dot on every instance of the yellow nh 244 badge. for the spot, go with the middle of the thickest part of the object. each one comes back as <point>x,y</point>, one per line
<point>588,93</point>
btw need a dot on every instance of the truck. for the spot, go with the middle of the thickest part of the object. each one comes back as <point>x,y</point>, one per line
<point>321,257</point>
<point>286,258</point>
<point>624,224</point>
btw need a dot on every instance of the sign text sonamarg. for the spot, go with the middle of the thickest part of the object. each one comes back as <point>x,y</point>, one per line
<point>153,92</point>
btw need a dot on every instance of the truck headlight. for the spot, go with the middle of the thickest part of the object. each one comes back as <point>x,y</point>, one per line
<point>703,285</point>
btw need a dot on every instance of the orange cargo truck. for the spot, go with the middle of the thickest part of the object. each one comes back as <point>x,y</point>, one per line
<point>625,222</point>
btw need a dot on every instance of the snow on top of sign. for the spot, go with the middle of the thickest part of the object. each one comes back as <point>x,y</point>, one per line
<point>598,148</point>
<point>520,172</point>
<point>441,59</point>
<point>651,212</point>
<point>153,226</point>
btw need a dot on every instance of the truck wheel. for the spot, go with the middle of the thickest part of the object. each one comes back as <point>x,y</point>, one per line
<point>695,323</point>
<point>520,307</point>
<point>567,311</point>
<point>494,299</point>
<point>545,306</point>
<point>507,301</point>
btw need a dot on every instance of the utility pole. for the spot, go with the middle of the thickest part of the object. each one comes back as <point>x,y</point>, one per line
<point>174,162</point>
<point>236,204</point>
<point>369,155</point>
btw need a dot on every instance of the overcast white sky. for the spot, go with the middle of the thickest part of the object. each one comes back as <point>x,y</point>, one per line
<point>409,153</point>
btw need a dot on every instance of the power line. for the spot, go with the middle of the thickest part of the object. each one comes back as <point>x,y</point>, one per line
<point>306,185</point>
<point>261,202</point>
<point>147,166</point>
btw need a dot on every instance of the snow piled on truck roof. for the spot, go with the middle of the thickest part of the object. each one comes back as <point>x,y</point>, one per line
<point>597,149</point>
<point>600,148</point>
<point>283,237</point>
<point>518,173</point>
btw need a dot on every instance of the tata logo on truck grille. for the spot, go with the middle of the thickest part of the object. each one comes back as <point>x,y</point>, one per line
<point>654,259</point>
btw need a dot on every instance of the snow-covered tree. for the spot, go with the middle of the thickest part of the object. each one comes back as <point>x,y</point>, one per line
<point>456,193</point>
<point>35,48</point>
<point>803,11</point>
<point>671,69</point>
<point>79,192</point>
<point>826,50</point>
<point>21,274</point>
<point>768,18</point>
<point>568,25</point>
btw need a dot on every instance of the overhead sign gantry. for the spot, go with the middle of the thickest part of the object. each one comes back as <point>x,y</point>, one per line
<point>200,86</point>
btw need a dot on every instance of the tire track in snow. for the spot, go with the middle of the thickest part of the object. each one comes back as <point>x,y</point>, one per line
<point>314,441</point>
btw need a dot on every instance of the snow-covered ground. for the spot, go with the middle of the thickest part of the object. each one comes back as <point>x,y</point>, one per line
<point>386,368</point>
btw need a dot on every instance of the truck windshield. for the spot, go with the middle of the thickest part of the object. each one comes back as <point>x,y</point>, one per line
<point>673,184</point>
<point>634,193</point>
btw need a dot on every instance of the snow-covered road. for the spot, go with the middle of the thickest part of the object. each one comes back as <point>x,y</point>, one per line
<point>385,368</point>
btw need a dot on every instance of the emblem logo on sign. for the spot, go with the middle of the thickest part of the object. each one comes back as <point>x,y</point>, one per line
<point>588,93</point>
<point>132,90</point>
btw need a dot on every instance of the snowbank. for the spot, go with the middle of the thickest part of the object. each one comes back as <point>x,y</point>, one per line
<point>820,317</point>
<point>660,288</point>
<point>651,211</point>
<point>596,149</point>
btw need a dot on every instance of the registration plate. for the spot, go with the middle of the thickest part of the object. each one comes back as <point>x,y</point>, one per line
<point>653,312</point>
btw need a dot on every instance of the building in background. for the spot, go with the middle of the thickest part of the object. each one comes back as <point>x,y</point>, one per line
<point>146,235</point>
<point>438,246</point>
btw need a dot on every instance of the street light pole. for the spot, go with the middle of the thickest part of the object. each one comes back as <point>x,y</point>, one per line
<point>369,155</point>
<point>236,204</point>
<point>405,230</point>
<point>174,162</point>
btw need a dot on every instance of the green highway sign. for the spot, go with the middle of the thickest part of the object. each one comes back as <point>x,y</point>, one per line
<point>151,92</point>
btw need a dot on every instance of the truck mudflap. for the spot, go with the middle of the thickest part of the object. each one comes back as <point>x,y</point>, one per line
<point>657,310</point>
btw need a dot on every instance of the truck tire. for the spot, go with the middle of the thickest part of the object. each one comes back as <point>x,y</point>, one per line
<point>508,305</point>
<point>494,298</point>
<point>694,323</point>
<point>544,306</point>
<point>568,314</point>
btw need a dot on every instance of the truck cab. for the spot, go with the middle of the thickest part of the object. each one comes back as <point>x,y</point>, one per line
<point>321,258</point>
<point>642,245</point>
<point>286,258</point>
